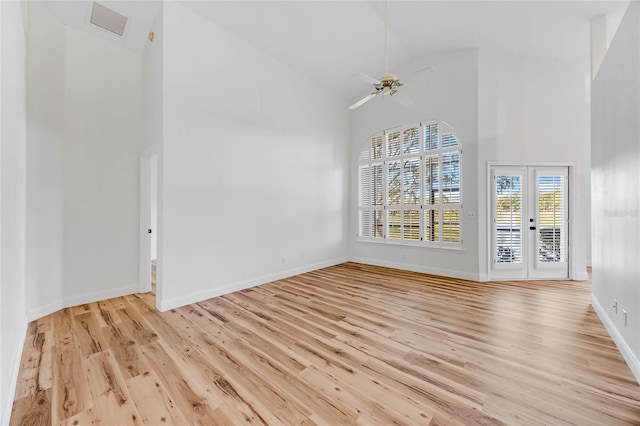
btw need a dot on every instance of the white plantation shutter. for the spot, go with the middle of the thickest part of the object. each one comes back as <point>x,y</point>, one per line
<point>365,185</point>
<point>410,186</point>
<point>377,184</point>
<point>365,195</point>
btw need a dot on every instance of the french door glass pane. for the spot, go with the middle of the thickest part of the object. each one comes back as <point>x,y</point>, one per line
<point>508,219</point>
<point>551,218</point>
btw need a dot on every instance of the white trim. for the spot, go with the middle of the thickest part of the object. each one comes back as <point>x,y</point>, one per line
<point>419,268</point>
<point>165,305</point>
<point>628,355</point>
<point>531,164</point>
<point>579,276</point>
<point>455,247</point>
<point>45,310</point>
<point>100,295</point>
<point>13,377</point>
<point>572,273</point>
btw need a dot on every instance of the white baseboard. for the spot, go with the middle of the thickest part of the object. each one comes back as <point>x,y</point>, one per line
<point>100,295</point>
<point>43,311</point>
<point>580,276</point>
<point>7,404</point>
<point>418,268</point>
<point>628,355</point>
<point>165,305</point>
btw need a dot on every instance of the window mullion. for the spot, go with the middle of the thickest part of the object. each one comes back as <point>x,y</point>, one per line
<point>385,185</point>
<point>421,152</point>
<point>440,191</point>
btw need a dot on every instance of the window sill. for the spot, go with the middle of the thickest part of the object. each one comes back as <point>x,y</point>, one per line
<point>415,245</point>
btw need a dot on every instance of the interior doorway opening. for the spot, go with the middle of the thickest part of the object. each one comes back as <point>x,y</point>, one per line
<point>153,219</point>
<point>149,167</point>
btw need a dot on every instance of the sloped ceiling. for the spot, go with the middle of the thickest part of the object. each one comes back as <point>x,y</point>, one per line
<point>330,41</point>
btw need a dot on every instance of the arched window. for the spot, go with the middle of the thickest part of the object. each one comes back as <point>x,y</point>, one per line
<point>409,186</point>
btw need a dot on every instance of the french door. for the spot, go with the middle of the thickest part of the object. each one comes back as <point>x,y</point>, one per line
<point>530,222</point>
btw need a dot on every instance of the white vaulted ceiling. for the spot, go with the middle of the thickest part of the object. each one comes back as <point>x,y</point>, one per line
<point>329,41</point>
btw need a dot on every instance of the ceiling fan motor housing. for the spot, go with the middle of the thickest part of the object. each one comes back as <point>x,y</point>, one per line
<point>389,83</point>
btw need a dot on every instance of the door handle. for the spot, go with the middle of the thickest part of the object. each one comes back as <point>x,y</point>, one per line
<point>533,228</point>
<point>149,231</point>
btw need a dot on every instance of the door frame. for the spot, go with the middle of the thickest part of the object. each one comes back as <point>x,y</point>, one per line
<point>572,204</point>
<point>145,221</point>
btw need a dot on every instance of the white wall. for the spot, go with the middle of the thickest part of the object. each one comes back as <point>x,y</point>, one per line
<point>448,94</point>
<point>253,164</point>
<point>151,86</point>
<point>12,200</point>
<point>533,111</point>
<point>45,156</point>
<point>102,143</point>
<point>615,177</point>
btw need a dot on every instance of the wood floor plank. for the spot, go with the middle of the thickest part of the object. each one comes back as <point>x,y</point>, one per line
<point>349,344</point>
<point>142,333</point>
<point>110,394</point>
<point>125,350</point>
<point>153,401</point>
<point>35,365</point>
<point>239,383</point>
<point>70,391</point>
<point>88,334</point>
<point>193,405</point>
<point>34,409</point>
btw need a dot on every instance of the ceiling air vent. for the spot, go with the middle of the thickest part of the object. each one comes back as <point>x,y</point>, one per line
<point>108,19</point>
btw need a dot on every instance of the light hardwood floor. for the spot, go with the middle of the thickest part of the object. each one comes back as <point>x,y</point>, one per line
<point>342,345</point>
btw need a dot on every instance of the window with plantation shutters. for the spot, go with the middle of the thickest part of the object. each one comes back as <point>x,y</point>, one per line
<point>410,186</point>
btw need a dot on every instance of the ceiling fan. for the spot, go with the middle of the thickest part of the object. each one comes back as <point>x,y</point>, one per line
<point>388,84</point>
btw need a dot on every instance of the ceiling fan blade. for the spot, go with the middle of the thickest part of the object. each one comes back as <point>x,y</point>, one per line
<point>413,74</point>
<point>363,100</point>
<point>367,79</point>
<point>402,99</point>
